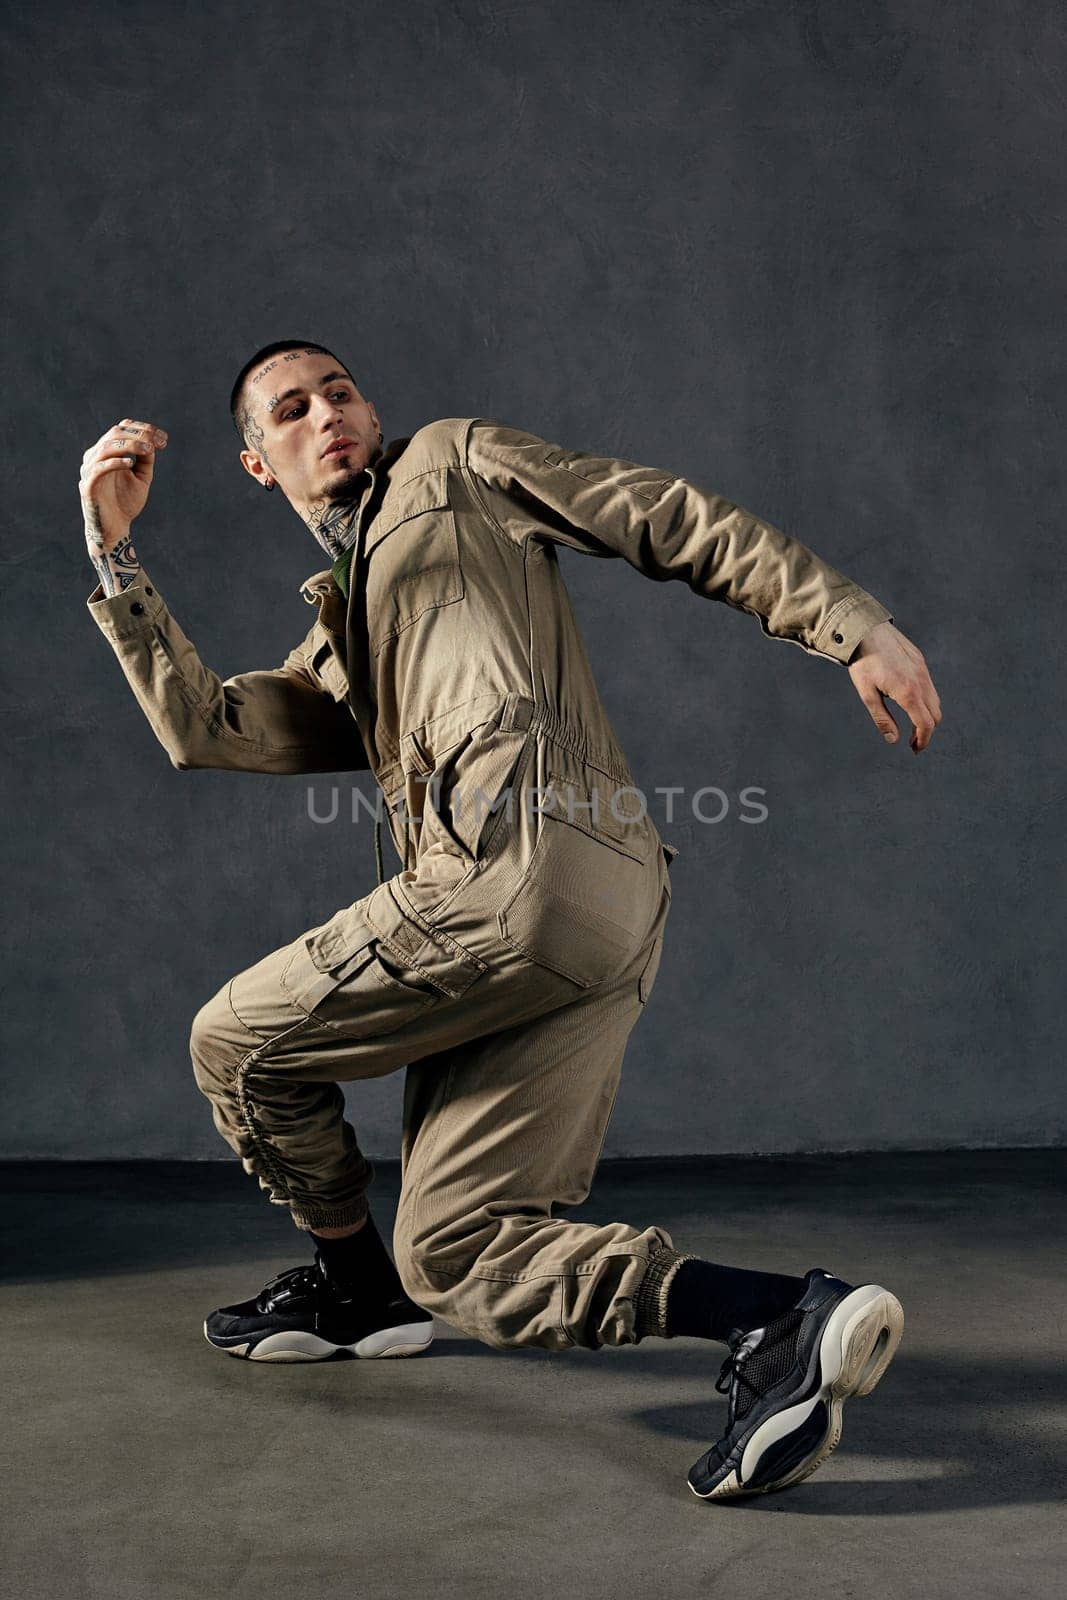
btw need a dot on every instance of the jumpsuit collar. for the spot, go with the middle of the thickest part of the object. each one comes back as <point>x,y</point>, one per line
<point>322,582</point>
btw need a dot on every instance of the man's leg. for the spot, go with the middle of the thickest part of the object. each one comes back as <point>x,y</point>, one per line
<point>271,1084</point>
<point>369,991</point>
<point>503,1131</point>
<point>512,1082</point>
<point>264,1062</point>
<point>500,1133</point>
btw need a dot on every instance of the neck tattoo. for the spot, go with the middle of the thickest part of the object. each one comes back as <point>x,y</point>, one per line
<point>333,523</point>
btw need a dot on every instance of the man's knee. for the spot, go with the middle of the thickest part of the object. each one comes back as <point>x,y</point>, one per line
<point>457,1297</point>
<point>408,1265</point>
<point>211,1045</point>
<point>418,1264</point>
<point>446,1274</point>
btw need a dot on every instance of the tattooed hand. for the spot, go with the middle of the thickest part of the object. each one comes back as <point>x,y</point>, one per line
<point>116,475</point>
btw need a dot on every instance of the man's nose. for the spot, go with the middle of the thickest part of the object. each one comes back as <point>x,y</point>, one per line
<point>328,412</point>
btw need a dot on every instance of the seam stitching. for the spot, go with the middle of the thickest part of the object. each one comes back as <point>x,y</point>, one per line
<point>587,1271</point>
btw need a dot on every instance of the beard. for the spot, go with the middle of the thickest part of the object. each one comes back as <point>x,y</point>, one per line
<point>349,486</point>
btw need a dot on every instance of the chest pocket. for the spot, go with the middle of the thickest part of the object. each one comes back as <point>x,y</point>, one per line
<point>414,564</point>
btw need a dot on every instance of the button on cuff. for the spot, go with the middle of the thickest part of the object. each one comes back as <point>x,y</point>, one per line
<point>127,612</point>
<point>847,624</point>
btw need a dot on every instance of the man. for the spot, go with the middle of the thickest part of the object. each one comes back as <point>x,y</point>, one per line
<point>506,963</point>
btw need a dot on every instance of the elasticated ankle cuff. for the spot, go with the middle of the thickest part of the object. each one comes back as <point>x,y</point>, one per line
<point>650,1301</point>
<point>308,1218</point>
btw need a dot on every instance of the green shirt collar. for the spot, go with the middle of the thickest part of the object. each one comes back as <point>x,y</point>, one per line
<point>340,569</point>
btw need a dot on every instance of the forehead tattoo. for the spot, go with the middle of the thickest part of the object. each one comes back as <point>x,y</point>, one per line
<point>287,355</point>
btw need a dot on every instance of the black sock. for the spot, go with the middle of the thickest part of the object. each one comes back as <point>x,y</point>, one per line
<point>706,1301</point>
<point>360,1259</point>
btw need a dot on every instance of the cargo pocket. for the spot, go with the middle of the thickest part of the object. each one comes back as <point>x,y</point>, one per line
<point>374,968</point>
<point>458,769</point>
<point>586,899</point>
<point>465,762</point>
<point>342,976</point>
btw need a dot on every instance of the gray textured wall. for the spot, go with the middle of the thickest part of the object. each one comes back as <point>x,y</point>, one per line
<point>807,255</point>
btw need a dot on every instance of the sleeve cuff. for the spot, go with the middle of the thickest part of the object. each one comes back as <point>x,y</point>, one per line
<point>133,611</point>
<point>848,623</point>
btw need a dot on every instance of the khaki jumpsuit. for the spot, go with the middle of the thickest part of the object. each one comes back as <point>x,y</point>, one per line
<point>506,963</point>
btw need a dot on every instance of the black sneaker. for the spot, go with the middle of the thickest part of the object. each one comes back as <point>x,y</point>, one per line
<point>303,1315</point>
<point>787,1381</point>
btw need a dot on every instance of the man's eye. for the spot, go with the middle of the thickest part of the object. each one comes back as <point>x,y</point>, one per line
<point>294,411</point>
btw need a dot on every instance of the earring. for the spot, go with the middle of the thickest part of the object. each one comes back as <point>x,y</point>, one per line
<point>269,485</point>
<point>380,436</point>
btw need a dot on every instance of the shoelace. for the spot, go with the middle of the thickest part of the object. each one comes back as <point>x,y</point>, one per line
<point>288,1285</point>
<point>732,1370</point>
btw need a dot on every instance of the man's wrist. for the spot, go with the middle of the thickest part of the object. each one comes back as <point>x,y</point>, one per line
<point>865,639</point>
<point>118,567</point>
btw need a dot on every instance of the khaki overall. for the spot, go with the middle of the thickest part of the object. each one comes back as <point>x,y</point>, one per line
<point>505,964</point>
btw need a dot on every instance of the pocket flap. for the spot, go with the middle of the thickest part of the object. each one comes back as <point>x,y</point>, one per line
<point>418,944</point>
<point>612,812</point>
<point>344,936</point>
<point>427,492</point>
<point>422,748</point>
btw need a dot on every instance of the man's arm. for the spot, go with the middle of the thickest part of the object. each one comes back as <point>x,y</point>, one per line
<point>284,720</point>
<point>667,528</point>
<point>280,720</point>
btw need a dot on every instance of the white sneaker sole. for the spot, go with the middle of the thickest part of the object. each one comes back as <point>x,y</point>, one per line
<point>858,1343</point>
<point>407,1339</point>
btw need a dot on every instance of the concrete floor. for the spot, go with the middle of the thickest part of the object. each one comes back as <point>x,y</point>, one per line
<point>145,1464</point>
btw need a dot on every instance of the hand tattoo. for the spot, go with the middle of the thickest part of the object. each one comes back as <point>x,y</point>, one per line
<point>94,531</point>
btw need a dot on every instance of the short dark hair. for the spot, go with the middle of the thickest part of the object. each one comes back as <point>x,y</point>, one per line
<point>273,349</point>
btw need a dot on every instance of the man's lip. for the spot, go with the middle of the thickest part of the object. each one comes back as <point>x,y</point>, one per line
<point>337,445</point>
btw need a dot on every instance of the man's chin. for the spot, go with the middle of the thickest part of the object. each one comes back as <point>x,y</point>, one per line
<point>344,483</point>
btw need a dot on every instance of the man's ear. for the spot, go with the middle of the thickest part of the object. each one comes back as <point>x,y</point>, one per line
<point>254,464</point>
